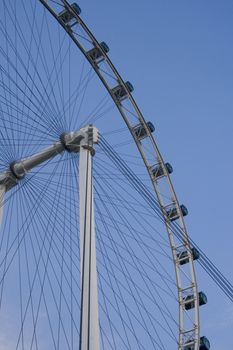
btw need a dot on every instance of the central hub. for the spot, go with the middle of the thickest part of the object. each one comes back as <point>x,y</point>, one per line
<point>85,137</point>
<point>71,142</point>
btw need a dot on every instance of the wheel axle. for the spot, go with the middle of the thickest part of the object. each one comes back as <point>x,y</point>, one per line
<point>69,142</point>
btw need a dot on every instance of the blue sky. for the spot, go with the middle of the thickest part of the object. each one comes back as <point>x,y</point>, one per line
<point>178,55</point>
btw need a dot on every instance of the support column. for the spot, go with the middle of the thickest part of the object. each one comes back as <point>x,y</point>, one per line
<point>2,195</point>
<point>89,318</point>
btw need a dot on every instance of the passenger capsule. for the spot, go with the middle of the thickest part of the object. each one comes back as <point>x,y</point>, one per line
<point>66,16</point>
<point>183,256</point>
<point>141,132</point>
<point>172,213</point>
<point>129,86</point>
<point>104,47</point>
<point>189,300</point>
<point>96,54</point>
<point>121,92</point>
<point>158,171</point>
<point>204,344</point>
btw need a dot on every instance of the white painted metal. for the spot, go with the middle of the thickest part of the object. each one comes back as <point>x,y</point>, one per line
<point>2,195</point>
<point>89,320</point>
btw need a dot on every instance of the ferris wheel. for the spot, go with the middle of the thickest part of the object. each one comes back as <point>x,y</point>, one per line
<point>94,251</point>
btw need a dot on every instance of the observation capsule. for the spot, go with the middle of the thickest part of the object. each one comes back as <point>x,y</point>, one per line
<point>189,300</point>
<point>96,54</point>
<point>183,256</point>
<point>172,213</point>
<point>204,344</point>
<point>66,16</point>
<point>158,170</point>
<point>104,46</point>
<point>141,132</point>
<point>121,92</point>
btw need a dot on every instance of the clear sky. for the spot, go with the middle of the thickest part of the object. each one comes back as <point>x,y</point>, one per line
<point>178,54</point>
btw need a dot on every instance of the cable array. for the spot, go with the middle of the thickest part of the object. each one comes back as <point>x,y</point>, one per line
<point>217,276</point>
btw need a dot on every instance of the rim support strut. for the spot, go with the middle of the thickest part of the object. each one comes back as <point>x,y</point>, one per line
<point>89,317</point>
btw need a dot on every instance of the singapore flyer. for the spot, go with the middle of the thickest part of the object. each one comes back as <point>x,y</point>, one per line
<point>116,126</point>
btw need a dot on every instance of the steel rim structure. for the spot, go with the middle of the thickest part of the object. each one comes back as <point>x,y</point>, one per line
<point>141,132</point>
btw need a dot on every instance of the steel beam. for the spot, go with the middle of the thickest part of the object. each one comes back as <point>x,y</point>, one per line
<point>89,318</point>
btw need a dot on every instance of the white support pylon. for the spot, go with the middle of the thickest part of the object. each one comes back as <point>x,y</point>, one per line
<point>89,318</point>
<point>2,195</point>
